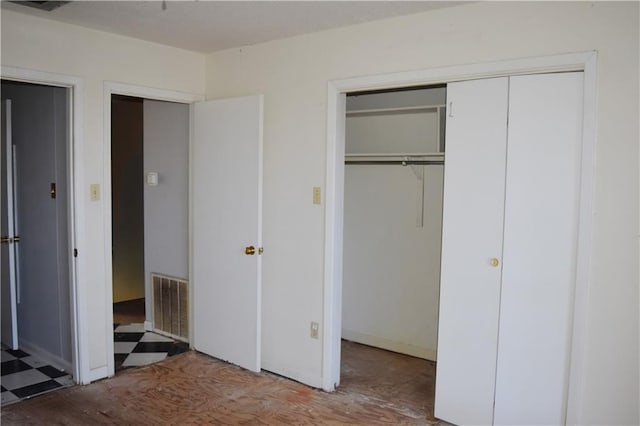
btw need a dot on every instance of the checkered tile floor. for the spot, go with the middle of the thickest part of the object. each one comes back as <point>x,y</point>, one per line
<point>135,347</point>
<point>25,376</point>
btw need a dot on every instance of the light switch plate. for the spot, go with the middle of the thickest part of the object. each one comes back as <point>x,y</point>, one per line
<point>315,327</point>
<point>152,179</point>
<point>317,195</point>
<point>94,192</point>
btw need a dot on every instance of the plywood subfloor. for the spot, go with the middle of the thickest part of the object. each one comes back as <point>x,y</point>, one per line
<point>378,387</point>
<point>400,382</point>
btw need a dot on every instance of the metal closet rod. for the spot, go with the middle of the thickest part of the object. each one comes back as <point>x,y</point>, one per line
<point>396,159</point>
<point>394,162</point>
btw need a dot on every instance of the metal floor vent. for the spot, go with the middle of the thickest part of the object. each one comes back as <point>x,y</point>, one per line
<point>171,306</point>
<point>47,6</point>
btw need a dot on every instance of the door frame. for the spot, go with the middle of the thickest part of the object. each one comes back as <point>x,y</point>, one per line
<point>117,88</point>
<point>337,90</point>
<point>76,210</point>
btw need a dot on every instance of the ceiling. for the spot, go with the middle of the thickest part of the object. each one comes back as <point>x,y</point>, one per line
<point>209,26</point>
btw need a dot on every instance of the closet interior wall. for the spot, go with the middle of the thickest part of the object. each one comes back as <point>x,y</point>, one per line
<point>393,219</point>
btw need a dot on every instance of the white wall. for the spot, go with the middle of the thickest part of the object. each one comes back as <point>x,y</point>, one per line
<point>166,208</point>
<point>392,132</point>
<point>96,57</point>
<point>293,75</point>
<point>397,99</point>
<point>391,277</point>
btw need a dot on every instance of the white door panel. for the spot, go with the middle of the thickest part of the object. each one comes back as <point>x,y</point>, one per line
<point>226,215</point>
<point>540,243</point>
<point>474,178</point>
<point>505,338</point>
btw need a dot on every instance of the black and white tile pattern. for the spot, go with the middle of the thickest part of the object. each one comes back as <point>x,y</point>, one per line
<point>25,376</point>
<point>133,346</point>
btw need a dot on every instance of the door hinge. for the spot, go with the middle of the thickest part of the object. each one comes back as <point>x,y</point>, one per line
<point>52,190</point>
<point>75,252</point>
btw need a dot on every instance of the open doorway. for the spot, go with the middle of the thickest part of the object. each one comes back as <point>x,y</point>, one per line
<point>149,199</point>
<point>37,336</point>
<point>393,183</point>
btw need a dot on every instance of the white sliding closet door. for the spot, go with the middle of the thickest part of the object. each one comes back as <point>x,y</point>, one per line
<point>510,225</point>
<point>540,240</point>
<point>474,176</point>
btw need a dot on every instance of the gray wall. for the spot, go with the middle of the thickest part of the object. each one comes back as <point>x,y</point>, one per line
<point>40,134</point>
<point>166,206</point>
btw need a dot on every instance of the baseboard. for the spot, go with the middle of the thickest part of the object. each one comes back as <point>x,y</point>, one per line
<point>309,380</point>
<point>390,345</point>
<point>148,326</point>
<point>98,374</point>
<point>46,356</point>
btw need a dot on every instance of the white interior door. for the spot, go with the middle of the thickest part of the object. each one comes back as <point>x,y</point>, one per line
<point>473,208</point>
<point>9,271</point>
<point>227,229</point>
<point>540,245</point>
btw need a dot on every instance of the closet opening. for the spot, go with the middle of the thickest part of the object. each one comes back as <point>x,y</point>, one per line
<point>393,188</point>
<point>150,229</point>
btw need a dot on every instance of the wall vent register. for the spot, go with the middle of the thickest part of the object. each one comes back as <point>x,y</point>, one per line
<point>171,306</point>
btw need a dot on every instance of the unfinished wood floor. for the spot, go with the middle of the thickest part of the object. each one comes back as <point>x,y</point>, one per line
<point>378,387</point>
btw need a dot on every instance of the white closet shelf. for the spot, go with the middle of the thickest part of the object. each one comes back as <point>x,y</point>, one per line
<point>396,154</point>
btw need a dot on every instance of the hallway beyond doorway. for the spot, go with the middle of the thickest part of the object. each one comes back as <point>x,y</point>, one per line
<point>135,347</point>
<point>129,312</point>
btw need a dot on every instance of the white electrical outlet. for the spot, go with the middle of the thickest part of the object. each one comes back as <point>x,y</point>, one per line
<point>314,330</point>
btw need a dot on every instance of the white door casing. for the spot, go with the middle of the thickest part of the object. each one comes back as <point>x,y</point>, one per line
<point>82,372</point>
<point>227,218</point>
<point>113,88</point>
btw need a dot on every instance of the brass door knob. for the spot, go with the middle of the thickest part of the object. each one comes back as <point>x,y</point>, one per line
<point>6,240</point>
<point>250,251</point>
<point>494,262</point>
